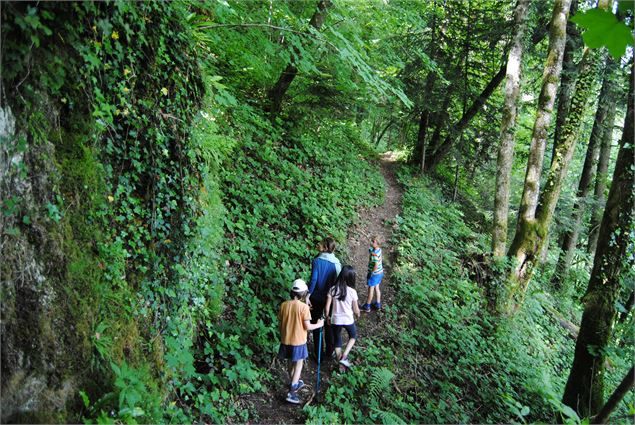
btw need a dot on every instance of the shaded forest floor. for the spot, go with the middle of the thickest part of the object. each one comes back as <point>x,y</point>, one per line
<point>273,408</point>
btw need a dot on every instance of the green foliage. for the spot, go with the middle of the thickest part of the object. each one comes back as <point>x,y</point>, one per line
<point>451,360</point>
<point>135,402</point>
<point>282,196</point>
<point>602,29</point>
<point>134,204</point>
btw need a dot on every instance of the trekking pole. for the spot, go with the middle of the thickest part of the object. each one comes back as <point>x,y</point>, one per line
<point>317,382</point>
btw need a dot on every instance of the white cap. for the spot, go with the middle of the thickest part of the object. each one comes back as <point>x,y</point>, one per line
<point>299,286</point>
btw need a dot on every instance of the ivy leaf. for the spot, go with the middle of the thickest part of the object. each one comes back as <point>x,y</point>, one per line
<point>603,29</point>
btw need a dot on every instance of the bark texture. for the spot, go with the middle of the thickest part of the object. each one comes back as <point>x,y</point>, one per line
<point>508,125</point>
<point>528,230</point>
<point>569,74</point>
<point>585,385</point>
<point>570,237</point>
<point>600,179</point>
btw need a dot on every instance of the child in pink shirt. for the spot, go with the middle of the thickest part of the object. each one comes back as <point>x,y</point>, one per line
<point>341,309</point>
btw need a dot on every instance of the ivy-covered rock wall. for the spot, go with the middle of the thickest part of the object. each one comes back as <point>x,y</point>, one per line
<point>100,187</point>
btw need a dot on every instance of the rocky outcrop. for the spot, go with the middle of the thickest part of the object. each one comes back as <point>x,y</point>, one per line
<point>38,377</point>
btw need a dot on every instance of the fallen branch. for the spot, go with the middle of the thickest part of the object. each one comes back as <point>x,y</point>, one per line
<point>573,329</point>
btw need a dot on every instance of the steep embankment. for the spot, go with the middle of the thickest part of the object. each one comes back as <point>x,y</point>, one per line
<point>100,193</point>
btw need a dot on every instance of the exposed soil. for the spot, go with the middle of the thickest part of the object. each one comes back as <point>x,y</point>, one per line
<point>272,408</point>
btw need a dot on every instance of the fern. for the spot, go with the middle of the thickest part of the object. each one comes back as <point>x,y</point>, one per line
<point>388,418</point>
<point>380,381</point>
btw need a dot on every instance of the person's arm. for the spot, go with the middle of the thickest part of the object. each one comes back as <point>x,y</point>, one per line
<point>356,309</point>
<point>310,326</point>
<point>327,307</point>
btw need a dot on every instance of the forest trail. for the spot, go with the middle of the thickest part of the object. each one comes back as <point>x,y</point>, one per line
<point>378,220</point>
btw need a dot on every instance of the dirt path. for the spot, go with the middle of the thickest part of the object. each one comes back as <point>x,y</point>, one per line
<point>378,220</point>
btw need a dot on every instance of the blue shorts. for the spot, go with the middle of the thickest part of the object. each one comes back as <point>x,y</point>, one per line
<point>375,279</point>
<point>293,352</point>
<point>337,333</point>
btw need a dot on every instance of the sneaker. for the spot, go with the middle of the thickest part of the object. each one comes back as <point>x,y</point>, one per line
<point>345,362</point>
<point>297,386</point>
<point>366,308</point>
<point>376,306</point>
<point>292,397</point>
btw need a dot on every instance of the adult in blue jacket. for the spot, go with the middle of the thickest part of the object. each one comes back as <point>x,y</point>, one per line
<point>325,269</point>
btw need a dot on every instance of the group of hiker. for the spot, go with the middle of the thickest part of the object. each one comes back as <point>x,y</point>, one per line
<point>330,296</point>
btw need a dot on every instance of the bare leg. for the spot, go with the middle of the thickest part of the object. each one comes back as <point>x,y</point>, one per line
<point>369,298</point>
<point>349,345</point>
<point>378,294</point>
<point>290,366</point>
<point>297,370</point>
<point>338,352</point>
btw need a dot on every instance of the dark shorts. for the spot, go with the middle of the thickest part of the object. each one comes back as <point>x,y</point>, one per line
<point>293,352</point>
<point>375,279</point>
<point>337,333</point>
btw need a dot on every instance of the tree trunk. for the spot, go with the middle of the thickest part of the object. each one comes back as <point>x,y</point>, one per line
<point>600,179</point>
<point>585,386</point>
<point>419,153</point>
<point>440,119</point>
<point>617,396</point>
<point>277,92</point>
<point>420,149</point>
<point>569,74</point>
<point>570,237</point>
<point>471,112</point>
<point>437,154</point>
<point>628,307</point>
<point>390,123</point>
<point>528,230</point>
<point>508,124</point>
<point>558,171</point>
<point>455,191</point>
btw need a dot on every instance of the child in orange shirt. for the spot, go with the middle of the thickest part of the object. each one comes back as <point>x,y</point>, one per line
<point>295,321</point>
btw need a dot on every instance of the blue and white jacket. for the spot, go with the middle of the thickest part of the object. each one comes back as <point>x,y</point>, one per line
<point>326,268</point>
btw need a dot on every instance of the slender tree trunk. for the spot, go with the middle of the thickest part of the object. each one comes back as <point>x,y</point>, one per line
<point>390,123</point>
<point>471,112</point>
<point>615,398</point>
<point>569,74</point>
<point>628,307</point>
<point>457,172</point>
<point>600,179</point>
<point>570,237</point>
<point>277,92</point>
<point>420,148</point>
<point>440,120</point>
<point>508,124</point>
<point>585,385</point>
<point>437,154</point>
<point>528,230</point>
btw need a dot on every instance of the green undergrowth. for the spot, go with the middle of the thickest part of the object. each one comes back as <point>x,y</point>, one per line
<point>442,358</point>
<point>282,195</point>
<point>269,194</point>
